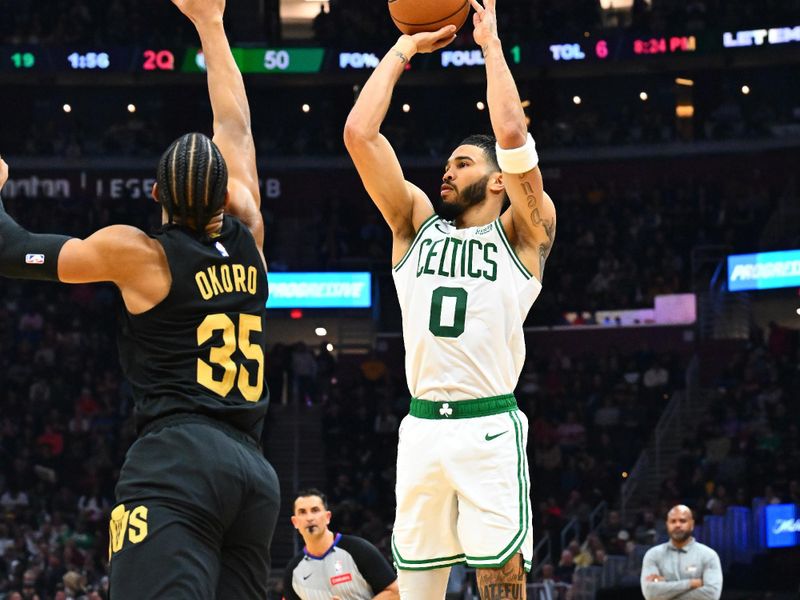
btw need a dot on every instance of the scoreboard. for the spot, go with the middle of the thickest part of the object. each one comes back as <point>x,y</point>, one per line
<point>148,60</point>
<point>598,48</point>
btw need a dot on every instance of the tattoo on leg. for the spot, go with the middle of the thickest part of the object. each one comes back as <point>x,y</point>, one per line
<point>505,583</point>
<point>503,591</point>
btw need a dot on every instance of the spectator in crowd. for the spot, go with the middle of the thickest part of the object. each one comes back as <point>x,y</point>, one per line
<point>548,582</point>
<point>566,567</point>
<point>745,432</point>
<point>304,369</point>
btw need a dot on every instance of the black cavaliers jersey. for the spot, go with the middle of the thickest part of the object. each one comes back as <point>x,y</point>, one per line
<point>201,350</point>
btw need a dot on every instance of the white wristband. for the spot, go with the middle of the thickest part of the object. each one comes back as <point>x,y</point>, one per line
<point>518,160</point>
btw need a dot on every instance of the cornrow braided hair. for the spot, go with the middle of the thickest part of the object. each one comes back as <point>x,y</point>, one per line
<point>192,180</point>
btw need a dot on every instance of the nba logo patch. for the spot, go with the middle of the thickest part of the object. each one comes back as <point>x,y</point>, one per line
<point>34,259</point>
<point>338,566</point>
<point>221,249</point>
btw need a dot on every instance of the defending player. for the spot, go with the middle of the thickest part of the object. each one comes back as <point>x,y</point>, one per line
<point>466,278</point>
<point>197,501</point>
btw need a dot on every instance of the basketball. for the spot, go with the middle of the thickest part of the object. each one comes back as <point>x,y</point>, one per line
<point>414,16</point>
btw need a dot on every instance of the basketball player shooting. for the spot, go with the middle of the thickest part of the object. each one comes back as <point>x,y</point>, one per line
<point>466,275</point>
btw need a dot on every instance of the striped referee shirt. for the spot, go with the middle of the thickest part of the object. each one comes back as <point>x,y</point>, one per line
<point>351,569</point>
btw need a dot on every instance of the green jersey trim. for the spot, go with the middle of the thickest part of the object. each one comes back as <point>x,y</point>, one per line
<point>425,224</point>
<point>426,564</point>
<point>513,254</point>
<point>500,559</point>
<point>462,409</point>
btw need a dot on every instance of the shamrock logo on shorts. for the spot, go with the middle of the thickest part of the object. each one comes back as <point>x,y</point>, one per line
<point>446,411</point>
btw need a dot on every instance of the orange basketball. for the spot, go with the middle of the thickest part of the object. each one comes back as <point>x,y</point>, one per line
<point>413,16</point>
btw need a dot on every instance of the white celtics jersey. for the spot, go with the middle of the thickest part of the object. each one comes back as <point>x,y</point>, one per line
<point>464,295</point>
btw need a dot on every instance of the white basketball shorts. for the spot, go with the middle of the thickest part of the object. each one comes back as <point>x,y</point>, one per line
<point>463,485</point>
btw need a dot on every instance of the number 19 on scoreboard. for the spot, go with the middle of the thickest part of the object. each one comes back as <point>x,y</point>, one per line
<point>23,60</point>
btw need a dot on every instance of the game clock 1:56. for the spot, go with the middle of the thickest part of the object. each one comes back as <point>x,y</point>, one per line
<point>89,60</point>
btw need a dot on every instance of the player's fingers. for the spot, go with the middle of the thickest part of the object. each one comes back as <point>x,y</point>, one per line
<point>445,32</point>
<point>477,6</point>
<point>442,43</point>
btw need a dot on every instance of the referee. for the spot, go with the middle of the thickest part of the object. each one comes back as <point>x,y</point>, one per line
<point>334,566</point>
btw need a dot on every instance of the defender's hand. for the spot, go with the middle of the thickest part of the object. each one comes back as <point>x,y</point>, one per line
<point>201,11</point>
<point>3,172</point>
<point>430,41</point>
<point>485,22</point>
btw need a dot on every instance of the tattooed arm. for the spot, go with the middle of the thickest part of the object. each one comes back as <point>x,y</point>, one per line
<point>531,222</point>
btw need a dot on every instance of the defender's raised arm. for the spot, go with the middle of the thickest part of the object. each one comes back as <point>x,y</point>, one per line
<point>232,127</point>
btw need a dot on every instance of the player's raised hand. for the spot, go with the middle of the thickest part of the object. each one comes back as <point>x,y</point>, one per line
<point>201,11</point>
<point>484,21</point>
<point>430,41</point>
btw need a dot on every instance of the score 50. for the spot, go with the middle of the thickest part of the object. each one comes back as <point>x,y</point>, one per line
<point>276,60</point>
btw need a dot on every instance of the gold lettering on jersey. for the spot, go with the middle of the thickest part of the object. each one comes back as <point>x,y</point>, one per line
<point>225,275</point>
<point>203,286</point>
<point>251,280</point>
<point>215,284</point>
<point>117,526</point>
<point>238,278</point>
<point>457,258</point>
<point>226,279</point>
<point>137,524</point>
<point>126,524</point>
